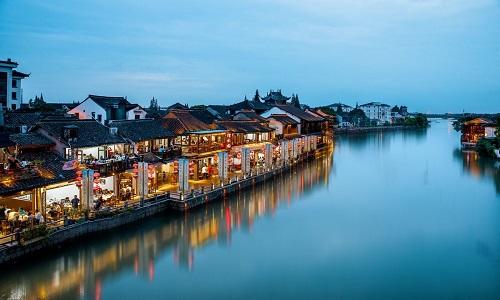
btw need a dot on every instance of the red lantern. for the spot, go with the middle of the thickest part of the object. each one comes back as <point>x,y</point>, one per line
<point>97,175</point>
<point>78,184</point>
<point>79,173</point>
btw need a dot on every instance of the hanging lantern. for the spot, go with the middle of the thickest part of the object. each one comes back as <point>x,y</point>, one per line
<point>79,173</point>
<point>97,175</point>
<point>79,184</point>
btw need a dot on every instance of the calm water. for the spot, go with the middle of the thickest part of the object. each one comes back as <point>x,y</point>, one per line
<point>386,216</point>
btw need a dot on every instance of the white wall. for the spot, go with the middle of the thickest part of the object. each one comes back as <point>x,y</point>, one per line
<point>136,111</point>
<point>277,126</point>
<point>8,70</point>
<point>489,132</point>
<point>279,111</point>
<point>377,112</point>
<point>62,192</point>
<point>86,108</point>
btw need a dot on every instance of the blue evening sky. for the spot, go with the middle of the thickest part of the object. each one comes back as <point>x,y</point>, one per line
<point>432,55</point>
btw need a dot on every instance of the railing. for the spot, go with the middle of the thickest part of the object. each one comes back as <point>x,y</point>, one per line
<point>14,239</point>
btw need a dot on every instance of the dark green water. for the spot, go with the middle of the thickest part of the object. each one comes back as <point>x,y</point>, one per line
<point>387,216</point>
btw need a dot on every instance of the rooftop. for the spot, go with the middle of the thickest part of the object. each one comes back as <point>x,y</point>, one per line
<point>283,119</point>
<point>30,140</point>
<point>90,133</point>
<point>244,126</point>
<point>299,113</point>
<point>142,130</point>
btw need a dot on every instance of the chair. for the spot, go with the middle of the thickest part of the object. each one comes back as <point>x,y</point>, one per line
<point>5,227</point>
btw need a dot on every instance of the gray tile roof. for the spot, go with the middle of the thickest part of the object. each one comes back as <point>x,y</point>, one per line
<point>142,130</point>
<point>30,139</point>
<point>90,133</point>
<point>299,113</point>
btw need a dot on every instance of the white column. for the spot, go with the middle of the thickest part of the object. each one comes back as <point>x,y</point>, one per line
<point>268,155</point>
<point>222,166</point>
<point>183,174</point>
<point>295,148</point>
<point>142,180</point>
<point>245,160</point>
<point>87,188</point>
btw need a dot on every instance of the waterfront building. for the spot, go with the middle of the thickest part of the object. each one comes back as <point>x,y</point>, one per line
<point>11,92</point>
<point>249,134</point>
<point>199,142</point>
<point>476,129</point>
<point>105,109</point>
<point>83,140</point>
<point>285,127</point>
<point>377,111</point>
<point>308,123</point>
<point>31,175</point>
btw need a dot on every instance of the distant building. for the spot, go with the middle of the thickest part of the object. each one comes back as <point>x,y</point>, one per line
<point>11,92</point>
<point>345,108</point>
<point>376,111</point>
<point>105,109</point>
<point>276,97</point>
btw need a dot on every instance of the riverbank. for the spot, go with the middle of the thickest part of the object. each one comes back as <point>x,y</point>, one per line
<point>58,236</point>
<point>355,130</point>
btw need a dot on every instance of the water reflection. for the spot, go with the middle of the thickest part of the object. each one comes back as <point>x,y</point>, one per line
<point>79,272</point>
<point>479,167</point>
<point>382,140</point>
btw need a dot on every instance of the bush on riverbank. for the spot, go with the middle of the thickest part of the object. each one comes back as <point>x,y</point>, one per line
<point>486,147</point>
<point>37,231</point>
<point>418,121</point>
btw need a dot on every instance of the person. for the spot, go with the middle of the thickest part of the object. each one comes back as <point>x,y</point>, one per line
<point>98,203</point>
<point>38,216</point>
<point>204,172</point>
<point>75,202</point>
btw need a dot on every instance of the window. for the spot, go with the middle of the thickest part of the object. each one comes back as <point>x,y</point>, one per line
<point>14,83</point>
<point>14,95</point>
<point>137,117</point>
<point>93,115</point>
<point>77,115</point>
<point>99,118</point>
<point>14,106</point>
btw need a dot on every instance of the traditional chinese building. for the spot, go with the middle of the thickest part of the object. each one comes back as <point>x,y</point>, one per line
<point>476,129</point>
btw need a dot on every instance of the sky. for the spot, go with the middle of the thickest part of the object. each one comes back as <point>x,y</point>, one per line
<point>431,55</point>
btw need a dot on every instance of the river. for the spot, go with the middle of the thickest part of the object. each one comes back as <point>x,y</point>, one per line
<point>388,215</point>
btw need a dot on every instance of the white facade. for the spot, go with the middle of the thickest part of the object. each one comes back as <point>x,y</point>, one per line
<point>136,113</point>
<point>345,108</point>
<point>279,111</point>
<point>277,126</point>
<point>88,110</point>
<point>11,92</point>
<point>377,111</point>
<point>489,132</point>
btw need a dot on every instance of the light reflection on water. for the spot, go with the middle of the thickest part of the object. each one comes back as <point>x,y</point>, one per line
<point>402,214</point>
<point>79,271</point>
